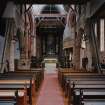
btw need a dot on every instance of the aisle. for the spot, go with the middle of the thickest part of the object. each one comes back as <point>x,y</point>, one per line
<point>50,93</point>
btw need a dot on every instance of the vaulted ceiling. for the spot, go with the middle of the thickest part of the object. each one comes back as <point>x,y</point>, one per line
<point>4,2</point>
<point>47,1</point>
<point>51,1</point>
<point>50,16</point>
<point>2,6</point>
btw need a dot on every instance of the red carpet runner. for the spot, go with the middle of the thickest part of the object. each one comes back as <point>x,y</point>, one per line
<point>50,93</point>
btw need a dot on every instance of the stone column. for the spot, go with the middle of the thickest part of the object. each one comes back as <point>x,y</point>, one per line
<point>26,44</point>
<point>34,46</point>
<point>12,49</point>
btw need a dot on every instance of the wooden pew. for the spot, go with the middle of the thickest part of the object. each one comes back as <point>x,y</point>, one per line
<point>84,78</point>
<point>41,70</point>
<point>70,71</point>
<point>19,82</point>
<point>79,76</point>
<point>87,92</point>
<point>22,75</point>
<point>93,102</point>
<point>74,88</point>
<point>84,83</point>
<point>7,102</point>
<point>17,97</point>
<point>37,76</point>
<point>82,87</point>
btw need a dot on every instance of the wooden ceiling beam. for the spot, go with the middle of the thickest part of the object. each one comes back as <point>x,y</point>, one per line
<point>50,15</point>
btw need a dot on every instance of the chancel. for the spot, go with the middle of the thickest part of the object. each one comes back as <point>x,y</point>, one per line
<point>50,30</point>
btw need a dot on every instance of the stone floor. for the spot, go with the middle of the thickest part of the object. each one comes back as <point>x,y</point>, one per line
<point>50,93</point>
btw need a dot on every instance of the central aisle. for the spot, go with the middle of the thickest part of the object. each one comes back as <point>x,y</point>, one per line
<point>50,93</point>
